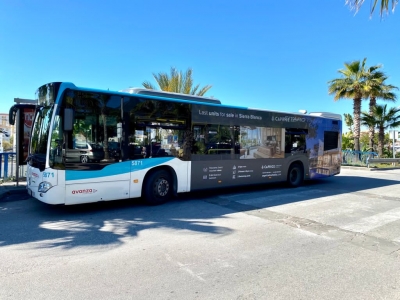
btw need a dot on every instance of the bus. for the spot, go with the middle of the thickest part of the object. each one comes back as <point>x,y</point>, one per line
<point>89,145</point>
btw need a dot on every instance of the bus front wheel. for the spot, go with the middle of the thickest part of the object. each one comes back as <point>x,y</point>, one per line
<point>158,188</point>
<point>295,175</point>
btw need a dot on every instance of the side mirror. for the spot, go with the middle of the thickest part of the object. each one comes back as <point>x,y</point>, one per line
<point>68,119</point>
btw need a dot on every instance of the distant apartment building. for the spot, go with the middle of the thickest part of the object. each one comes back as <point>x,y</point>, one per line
<point>5,126</point>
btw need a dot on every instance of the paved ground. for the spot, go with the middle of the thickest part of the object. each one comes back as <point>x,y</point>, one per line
<point>337,238</point>
<point>11,189</point>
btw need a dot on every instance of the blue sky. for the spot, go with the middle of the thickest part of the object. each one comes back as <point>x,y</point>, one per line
<point>260,54</point>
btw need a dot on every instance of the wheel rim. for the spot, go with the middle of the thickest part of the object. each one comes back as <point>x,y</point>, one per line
<point>161,187</point>
<point>84,159</point>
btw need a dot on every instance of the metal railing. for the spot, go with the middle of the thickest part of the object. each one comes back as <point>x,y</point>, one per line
<point>357,158</point>
<point>9,169</point>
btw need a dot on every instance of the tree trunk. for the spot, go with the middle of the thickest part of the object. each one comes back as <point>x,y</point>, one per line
<point>356,114</point>
<point>381,138</point>
<point>371,131</point>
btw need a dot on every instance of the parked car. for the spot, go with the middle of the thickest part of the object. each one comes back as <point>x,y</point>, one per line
<point>114,150</point>
<point>84,153</point>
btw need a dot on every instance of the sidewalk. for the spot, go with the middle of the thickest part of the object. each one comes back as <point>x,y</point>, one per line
<point>368,169</point>
<point>10,188</point>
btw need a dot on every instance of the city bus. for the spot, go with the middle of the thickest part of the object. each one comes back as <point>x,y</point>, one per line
<point>89,145</point>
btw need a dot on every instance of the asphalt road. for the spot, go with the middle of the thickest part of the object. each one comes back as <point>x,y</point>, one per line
<point>337,238</point>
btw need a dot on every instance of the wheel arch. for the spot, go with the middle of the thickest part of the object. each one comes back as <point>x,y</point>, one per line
<point>292,166</point>
<point>171,172</point>
<point>296,162</point>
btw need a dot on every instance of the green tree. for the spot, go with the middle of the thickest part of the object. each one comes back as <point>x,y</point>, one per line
<point>348,119</point>
<point>177,82</point>
<point>384,5</point>
<point>7,146</point>
<point>352,85</point>
<point>347,141</point>
<point>382,119</point>
<point>364,141</point>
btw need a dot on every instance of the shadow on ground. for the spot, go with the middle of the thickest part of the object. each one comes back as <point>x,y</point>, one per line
<point>109,223</point>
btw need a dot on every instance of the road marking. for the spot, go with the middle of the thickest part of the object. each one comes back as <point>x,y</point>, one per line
<point>322,230</point>
<point>367,224</point>
<point>185,268</point>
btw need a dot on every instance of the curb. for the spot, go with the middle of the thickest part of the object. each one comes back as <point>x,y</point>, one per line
<point>14,195</point>
<point>10,189</point>
<point>367,169</point>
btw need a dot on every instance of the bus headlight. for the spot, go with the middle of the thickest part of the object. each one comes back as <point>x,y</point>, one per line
<point>44,187</point>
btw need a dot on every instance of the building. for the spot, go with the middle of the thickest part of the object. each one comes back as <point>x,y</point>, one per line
<point>6,140</point>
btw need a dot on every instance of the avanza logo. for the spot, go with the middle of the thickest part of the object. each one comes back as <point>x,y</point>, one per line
<point>84,191</point>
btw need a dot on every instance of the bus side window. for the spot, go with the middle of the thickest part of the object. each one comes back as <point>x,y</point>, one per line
<point>216,141</point>
<point>295,141</point>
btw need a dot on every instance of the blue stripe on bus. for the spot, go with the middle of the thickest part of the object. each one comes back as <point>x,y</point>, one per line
<point>141,164</point>
<point>116,169</point>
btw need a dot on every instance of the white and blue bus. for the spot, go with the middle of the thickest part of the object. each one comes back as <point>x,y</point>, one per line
<point>90,145</point>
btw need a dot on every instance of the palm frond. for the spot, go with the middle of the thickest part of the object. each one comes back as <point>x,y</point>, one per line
<point>384,5</point>
<point>177,82</point>
<point>148,85</point>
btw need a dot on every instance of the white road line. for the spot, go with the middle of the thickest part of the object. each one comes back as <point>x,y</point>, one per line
<point>367,224</point>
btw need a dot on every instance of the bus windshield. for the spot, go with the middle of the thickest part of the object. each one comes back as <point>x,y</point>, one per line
<point>40,134</point>
<point>41,127</point>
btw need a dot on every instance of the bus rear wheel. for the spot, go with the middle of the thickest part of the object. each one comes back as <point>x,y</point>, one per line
<point>158,188</point>
<point>295,175</point>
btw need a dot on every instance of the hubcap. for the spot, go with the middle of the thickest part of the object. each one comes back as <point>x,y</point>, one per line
<point>162,187</point>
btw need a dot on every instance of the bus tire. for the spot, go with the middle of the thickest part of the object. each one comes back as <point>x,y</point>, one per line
<point>158,188</point>
<point>295,175</point>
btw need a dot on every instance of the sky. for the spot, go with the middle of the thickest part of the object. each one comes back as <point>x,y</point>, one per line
<point>275,55</point>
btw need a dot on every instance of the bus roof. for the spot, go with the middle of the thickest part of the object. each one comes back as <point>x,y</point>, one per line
<point>199,99</point>
<point>326,115</point>
<point>170,95</point>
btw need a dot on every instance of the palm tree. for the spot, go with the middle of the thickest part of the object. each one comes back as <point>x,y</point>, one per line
<point>382,119</point>
<point>352,85</point>
<point>177,82</point>
<point>384,5</point>
<point>377,89</point>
